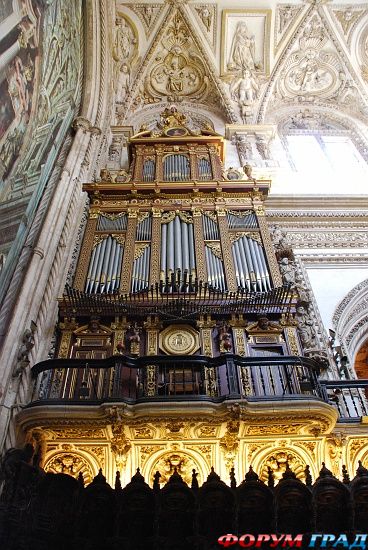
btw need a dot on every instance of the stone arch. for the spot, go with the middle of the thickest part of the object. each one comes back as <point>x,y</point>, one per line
<point>350,320</point>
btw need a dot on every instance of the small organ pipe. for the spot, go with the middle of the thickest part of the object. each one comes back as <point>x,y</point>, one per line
<point>177,249</point>
<point>116,267</point>
<point>105,264</point>
<point>255,263</point>
<point>101,254</point>
<point>185,246</point>
<point>113,253</point>
<point>244,260</point>
<point>191,247</point>
<point>238,265</point>
<point>163,246</point>
<point>170,246</point>
<point>252,267</point>
<point>90,268</point>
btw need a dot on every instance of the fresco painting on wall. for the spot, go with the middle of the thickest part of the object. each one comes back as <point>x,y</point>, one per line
<point>18,61</point>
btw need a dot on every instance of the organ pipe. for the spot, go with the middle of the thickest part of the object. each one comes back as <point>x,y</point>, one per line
<point>215,269</point>
<point>250,265</point>
<point>104,268</point>
<point>176,168</point>
<point>177,247</point>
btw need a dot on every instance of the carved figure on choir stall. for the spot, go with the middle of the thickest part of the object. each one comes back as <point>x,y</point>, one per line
<point>262,325</point>
<point>134,341</point>
<point>287,270</point>
<point>225,343</point>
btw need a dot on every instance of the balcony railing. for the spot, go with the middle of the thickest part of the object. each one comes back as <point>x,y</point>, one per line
<point>187,378</point>
<point>348,396</point>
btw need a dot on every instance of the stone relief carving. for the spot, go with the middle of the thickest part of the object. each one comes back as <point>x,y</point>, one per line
<point>148,15</point>
<point>347,17</point>
<point>314,68</point>
<point>277,463</point>
<point>244,148</point>
<point>285,14</point>
<point>177,461</point>
<point>178,71</point>
<point>206,15</point>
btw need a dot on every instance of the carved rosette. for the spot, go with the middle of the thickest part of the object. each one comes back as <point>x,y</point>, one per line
<point>72,464</point>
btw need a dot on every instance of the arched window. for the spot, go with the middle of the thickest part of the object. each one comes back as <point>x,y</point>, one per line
<point>323,156</point>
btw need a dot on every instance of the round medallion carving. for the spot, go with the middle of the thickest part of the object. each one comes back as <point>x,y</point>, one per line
<point>179,340</point>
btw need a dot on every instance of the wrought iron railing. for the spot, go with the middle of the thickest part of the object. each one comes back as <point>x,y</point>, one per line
<point>182,378</point>
<point>348,396</point>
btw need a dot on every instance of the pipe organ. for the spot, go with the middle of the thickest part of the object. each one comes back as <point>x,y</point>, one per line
<point>174,239</point>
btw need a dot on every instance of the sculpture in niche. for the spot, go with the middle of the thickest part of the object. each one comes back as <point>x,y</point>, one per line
<point>242,49</point>
<point>178,72</point>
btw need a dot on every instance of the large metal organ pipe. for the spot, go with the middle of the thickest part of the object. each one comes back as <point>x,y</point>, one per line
<point>142,254</point>
<point>104,267</point>
<point>177,247</point>
<point>176,168</point>
<point>250,264</point>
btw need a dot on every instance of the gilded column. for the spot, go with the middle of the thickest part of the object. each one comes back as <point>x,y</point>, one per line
<point>205,325</point>
<point>152,327</point>
<point>226,251</point>
<point>86,251</point>
<point>193,163</point>
<point>267,244</point>
<point>126,269</point>
<point>237,323</point>
<point>215,163</point>
<point>155,246</point>
<point>159,167</point>
<point>138,167</point>
<point>199,245</point>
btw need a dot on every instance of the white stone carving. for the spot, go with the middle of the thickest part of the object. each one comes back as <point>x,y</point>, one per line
<point>314,68</point>
<point>285,15</point>
<point>148,15</point>
<point>206,15</point>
